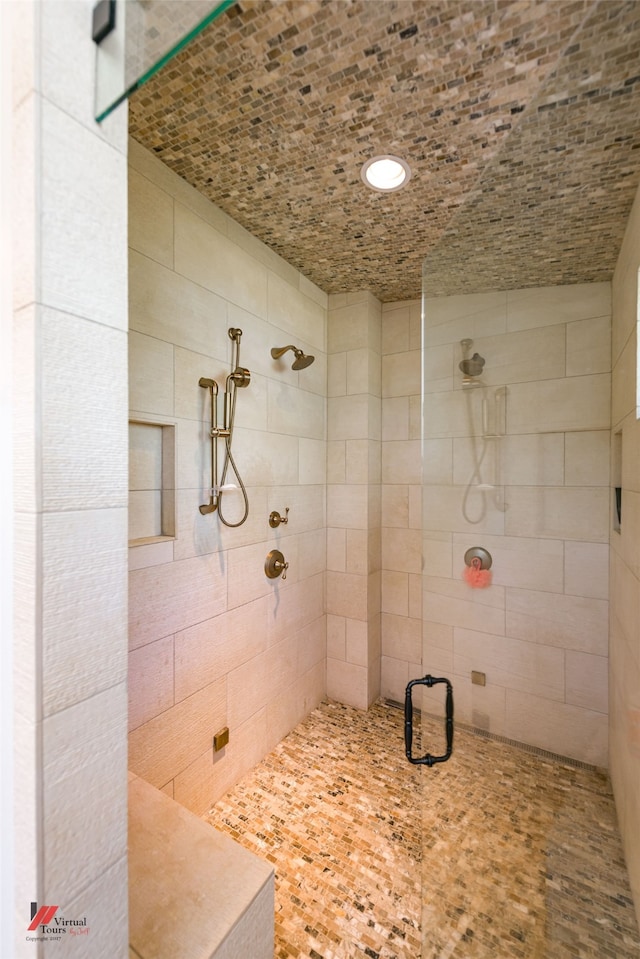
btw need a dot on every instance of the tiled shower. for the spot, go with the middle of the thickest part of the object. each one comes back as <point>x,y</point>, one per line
<point>517,462</point>
<point>71,321</point>
<point>213,642</point>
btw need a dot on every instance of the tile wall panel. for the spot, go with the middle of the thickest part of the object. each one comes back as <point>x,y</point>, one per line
<point>84,403</point>
<point>550,305</point>
<point>452,318</point>
<point>151,362</point>
<point>579,513</point>
<point>297,313</point>
<point>589,346</point>
<point>85,763</point>
<point>160,300</point>
<point>571,622</point>
<point>573,403</point>
<point>84,592</point>
<point>213,775</point>
<point>354,504</point>
<point>207,258</point>
<point>540,631</point>
<point>213,641</point>
<point>151,680</point>
<point>94,219</point>
<point>586,567</point>
<point>150,219</point>
<point>547,723</point>
<point>176,737</point>
<point>69,536</point>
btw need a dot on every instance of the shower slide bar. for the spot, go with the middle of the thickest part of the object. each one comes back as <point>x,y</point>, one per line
<point>214,433</point>
<point>428,759</point>
<point>238,378</point>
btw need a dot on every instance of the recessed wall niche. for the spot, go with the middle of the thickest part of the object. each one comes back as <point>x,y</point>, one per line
<point>151,482</point>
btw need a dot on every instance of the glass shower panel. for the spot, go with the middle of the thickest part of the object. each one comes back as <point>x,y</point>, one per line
<point>465,392</point>
<point>147,34</point>
<point>464,407</point>
<point>516,515</point>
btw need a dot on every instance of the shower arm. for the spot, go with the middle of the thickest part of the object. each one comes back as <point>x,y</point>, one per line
<point>214,433</point>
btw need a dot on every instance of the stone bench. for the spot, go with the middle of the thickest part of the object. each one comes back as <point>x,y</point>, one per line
<point>194,893</point>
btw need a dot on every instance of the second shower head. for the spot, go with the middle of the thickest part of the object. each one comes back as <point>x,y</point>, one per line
<point>301,360</point>
<point>472,365</point>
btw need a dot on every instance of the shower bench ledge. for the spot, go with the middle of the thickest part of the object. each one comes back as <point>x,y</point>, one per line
<point>194,893</point>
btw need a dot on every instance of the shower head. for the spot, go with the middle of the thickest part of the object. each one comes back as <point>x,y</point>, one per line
<point>472,366</point>
<point>301,361</point>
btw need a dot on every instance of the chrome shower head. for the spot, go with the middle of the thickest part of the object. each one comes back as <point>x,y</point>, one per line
<point>301,361</point>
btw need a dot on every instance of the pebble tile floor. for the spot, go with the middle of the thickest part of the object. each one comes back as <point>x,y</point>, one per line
<point>497,853</point>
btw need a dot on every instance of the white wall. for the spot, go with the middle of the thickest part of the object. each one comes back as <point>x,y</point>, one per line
<point>70,485</point>
<point>540,631</point>
<point>624,646</point>
<point>214,642</point>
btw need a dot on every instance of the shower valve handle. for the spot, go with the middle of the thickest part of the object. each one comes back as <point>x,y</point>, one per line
<point>275,518</point>
<point>275,564</point>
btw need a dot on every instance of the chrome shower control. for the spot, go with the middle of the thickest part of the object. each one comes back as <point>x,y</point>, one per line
<point>275,564</point>
<point>481,556</point>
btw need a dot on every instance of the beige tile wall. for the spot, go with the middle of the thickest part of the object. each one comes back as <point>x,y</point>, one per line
<point>353,499</point>
<point>624,643</point>
<point>213,642</point>
<point>540,632</point>
<point>70,507</point>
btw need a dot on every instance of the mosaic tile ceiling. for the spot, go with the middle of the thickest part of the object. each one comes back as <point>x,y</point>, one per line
<point>520,121</point>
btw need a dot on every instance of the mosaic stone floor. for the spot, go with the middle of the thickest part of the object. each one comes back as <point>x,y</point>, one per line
<point>522,856</point>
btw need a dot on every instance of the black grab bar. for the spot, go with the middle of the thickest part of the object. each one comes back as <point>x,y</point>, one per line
<point>427,760</point>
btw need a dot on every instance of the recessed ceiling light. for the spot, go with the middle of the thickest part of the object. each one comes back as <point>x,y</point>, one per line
<point>386,173</point>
